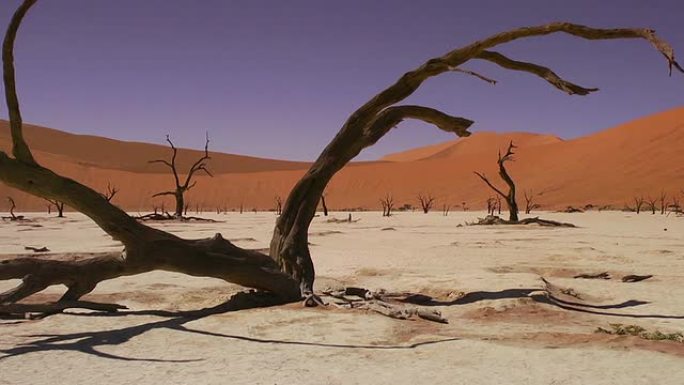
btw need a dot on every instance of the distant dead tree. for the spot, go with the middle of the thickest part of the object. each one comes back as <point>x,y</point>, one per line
<point>663,202</point>
<point>426,202</point>
<point>59,205</point>
<point>638,203</point>
<point>529,202</point>
<point>111,191</point>
<point>387,205</point>
<point>242,208</point>
<point>651,202</point>
<point>279,204</point>
<point>510,197</point>
<point>323,205</point>
<point>182,188</point>
<point>491,205</point>
<point>445,209</point>
<point>13,206</point>
<point>464,206</point>
<point>186,206</point>
<point>675,206</point>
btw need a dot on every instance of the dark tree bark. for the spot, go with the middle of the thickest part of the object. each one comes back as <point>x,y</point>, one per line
<point>663,203</point>
<point>182,187</point>
<point>445,210</point>
<point>324,205</point>
<point>503,173</point>
<point>426,202</point>
<point>288,271</point>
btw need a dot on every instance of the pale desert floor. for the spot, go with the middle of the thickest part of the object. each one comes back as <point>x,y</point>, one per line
<point>500,332</point>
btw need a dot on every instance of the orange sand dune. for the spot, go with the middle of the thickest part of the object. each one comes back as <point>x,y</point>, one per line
<point>134,156</point>
<point>642,157</point>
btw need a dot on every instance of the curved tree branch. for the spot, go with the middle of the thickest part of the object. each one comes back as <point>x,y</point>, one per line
<point>289,245</point>
<point>542,72</point>
<point>20,149</point>
<point>484,178</point>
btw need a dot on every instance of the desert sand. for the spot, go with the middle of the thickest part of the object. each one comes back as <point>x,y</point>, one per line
<point>607,168</point>
<point>485,279</point>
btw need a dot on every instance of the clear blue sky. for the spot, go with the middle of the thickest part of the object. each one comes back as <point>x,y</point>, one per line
<point>278,78</point>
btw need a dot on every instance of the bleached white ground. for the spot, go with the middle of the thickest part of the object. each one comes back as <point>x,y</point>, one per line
<point>498,333</point>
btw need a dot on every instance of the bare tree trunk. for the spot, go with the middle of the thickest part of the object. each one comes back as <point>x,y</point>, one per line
<point>12,207</point>
<point>325,207</point>
<point>638,203</point>
<point>503,173</point>
<point>183,187</point>
<point>426,202</point>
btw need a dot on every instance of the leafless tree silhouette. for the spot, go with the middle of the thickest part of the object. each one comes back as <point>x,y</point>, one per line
<point>183,187</point>
<point>387,203</point>
<point>663,202</point>
<point>111,191</point>
<point>529,202</point>
<point>279,204</point>
<point>426,202</point>
<point>638,203</point>
<point>503,173</point>
<point>59,205</point>
<point>651,202</point>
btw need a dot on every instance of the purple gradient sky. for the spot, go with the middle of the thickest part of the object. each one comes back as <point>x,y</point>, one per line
<point>278,78</point>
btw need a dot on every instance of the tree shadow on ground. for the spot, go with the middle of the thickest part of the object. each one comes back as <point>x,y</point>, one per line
<point>88,342</point>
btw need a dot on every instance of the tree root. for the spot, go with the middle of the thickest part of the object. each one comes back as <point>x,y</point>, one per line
<point>496,220</point>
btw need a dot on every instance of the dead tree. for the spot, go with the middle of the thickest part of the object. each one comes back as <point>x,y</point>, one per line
<point>59,205</point>
<point>491,206</point>
<point>638,203</point>
<point>279,204</point>
<point>663,202</point>
<point>675,206</point>
<point>182,187</point>
<point>111,191</point>
<point>503,173</point>
<point>445,209</point>
<point>324,206</point>
<point>529,202</point>
<point>426,202</point>
<point>651,202</point>
<point>288,271</point>
<point>13,206</point>
<point>387,203</point>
